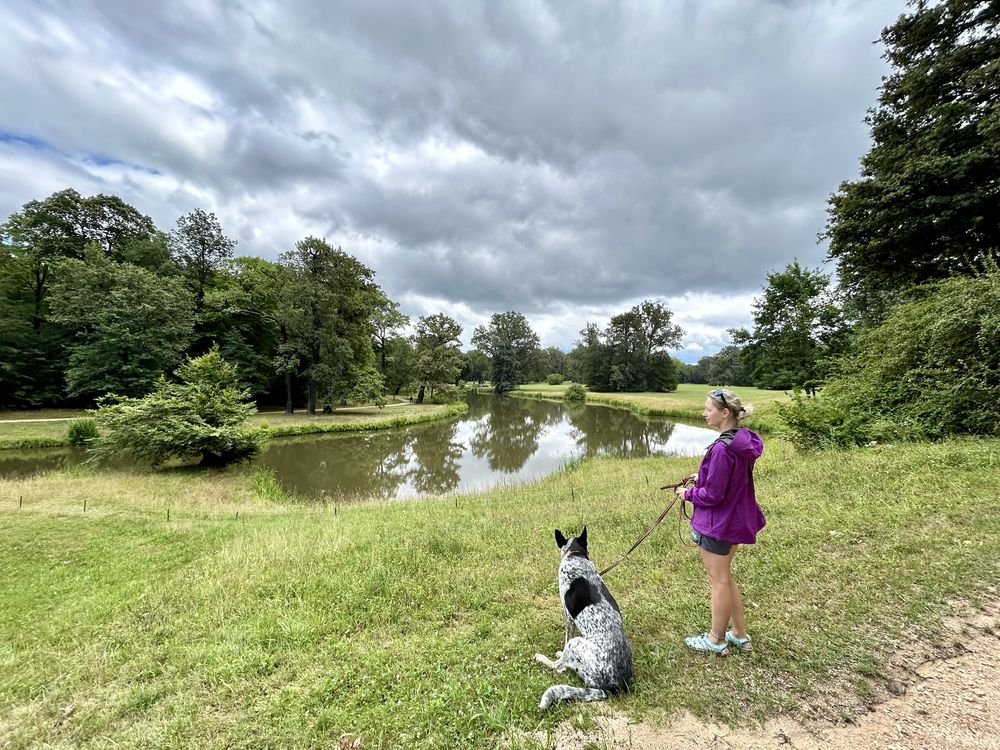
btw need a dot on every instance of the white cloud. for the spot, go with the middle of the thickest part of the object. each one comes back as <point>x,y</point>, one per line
<point>562,161</point>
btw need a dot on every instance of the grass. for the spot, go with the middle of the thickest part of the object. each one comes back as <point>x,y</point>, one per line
<point>412,624</point>
<point>27,432</point>
<point>684,403</point>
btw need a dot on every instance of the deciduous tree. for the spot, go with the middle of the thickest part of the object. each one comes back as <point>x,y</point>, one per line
<point>437,352</point>
<point>510,344</point>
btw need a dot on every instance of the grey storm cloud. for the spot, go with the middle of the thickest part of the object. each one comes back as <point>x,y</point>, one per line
<point>520,155</point>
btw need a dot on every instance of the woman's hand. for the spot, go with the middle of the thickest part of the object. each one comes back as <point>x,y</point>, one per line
<point>679,490</point>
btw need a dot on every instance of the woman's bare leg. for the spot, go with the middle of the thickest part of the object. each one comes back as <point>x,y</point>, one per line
<point>727,602</point>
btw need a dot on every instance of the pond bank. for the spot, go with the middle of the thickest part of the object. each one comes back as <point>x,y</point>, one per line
<point>27,434</point>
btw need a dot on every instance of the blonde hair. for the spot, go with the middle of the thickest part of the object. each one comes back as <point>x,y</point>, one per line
<point>724,399</point>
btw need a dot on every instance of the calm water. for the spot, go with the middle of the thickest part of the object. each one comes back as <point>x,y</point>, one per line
<point>499,441</point>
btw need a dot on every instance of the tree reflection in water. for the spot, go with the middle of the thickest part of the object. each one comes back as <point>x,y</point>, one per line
<point>498,440</point>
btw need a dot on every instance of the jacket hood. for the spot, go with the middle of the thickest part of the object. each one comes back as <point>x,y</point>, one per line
<point>747,443</point>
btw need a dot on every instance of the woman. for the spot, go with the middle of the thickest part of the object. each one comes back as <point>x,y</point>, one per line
<point>725,515</point>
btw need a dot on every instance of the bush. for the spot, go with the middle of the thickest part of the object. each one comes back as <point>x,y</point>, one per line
<point>82,431</point>
<point>575,394</point>
<point>205,414</point>
<point>446,394</point>
<point>932,369</point>
<point>555,379</point>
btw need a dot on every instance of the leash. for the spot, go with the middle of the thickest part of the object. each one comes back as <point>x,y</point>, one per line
<point>681,515</point>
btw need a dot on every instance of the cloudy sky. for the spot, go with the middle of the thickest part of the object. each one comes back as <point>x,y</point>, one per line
<point>562,159</point>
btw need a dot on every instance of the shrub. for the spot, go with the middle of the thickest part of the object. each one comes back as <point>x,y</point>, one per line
<point>555,379</point>
<point>82,431</point>
<point>205,414</point>
<point>932,369</point>
<point>575,394</point>
<point>446,394</point>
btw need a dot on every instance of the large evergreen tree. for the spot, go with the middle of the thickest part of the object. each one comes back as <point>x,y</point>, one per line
<point>927,204</point>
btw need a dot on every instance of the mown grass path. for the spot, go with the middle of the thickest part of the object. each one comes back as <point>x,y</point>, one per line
<point>412,624</point>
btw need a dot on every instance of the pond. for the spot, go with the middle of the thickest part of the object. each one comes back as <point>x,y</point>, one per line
<point>499,441</point>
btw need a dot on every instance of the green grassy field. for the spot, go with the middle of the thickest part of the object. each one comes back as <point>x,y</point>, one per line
<point>413,624</point>
<point>30,430</point>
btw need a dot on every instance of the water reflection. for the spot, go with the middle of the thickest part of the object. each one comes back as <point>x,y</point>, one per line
<point>498,440</point>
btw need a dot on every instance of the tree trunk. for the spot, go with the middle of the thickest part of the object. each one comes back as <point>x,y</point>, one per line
<point>289,408</point>
<point>420,395</point>
<point>311,399</point>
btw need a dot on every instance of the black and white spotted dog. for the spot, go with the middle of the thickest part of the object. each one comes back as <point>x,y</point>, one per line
<point>601,655</point>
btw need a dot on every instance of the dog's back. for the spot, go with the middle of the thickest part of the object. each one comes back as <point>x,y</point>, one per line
<point>602,657</point>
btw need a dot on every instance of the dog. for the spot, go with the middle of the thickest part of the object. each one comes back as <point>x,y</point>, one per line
<point>601,655</point>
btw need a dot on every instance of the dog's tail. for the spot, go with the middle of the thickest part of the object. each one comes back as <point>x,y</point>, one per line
<point>558,693</point>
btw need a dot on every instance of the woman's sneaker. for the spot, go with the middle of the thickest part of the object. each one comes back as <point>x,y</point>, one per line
<point>740,644</point>
<point>703,643</point>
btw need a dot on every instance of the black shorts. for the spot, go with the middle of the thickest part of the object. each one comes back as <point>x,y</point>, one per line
<point>710,543</point>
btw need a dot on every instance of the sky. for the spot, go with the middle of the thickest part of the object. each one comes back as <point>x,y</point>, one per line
<point>566,160</point>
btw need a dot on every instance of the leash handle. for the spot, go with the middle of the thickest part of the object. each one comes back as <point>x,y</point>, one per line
<point>687,481</point>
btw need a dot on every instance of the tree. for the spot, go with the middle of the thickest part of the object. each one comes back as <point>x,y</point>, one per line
<point>510,344</point>
<point>797,326</point>
<point>399,362</point>
<point>338,297</point>
<point>200,248</point>
<point>727,368</point>
<point>44,232</point>
<point>246,314</point>
<point>925,206</point>
<point>476,367</point>
<point>204,414</point>
<point>128,324</point>
<point>437,352</point>
<point>631,354</point>
<point>386,322</point>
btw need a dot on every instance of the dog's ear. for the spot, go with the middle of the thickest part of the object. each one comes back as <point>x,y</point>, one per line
<point>560,539</point>
<point>582,539</point>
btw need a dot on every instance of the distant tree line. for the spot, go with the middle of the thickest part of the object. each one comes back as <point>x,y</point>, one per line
<point>94,299</point>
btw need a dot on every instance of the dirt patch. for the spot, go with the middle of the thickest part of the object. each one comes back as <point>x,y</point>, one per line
<point>931,696</point>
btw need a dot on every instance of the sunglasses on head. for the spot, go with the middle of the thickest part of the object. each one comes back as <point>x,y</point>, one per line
<point>717,393</point>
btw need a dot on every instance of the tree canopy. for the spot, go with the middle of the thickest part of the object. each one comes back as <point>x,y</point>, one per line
<point>511,346</point>
<point>798,327</point>
<point>925,206</point>
<point>631,354</point>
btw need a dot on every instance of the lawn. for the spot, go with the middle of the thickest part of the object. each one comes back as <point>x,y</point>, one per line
<point>31,430</point>
<point>246,620</point>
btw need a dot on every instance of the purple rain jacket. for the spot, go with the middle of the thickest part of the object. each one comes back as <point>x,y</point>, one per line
<point>725,506</point>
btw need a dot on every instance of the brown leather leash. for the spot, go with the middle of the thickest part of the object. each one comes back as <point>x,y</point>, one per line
<point>681,515</point>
